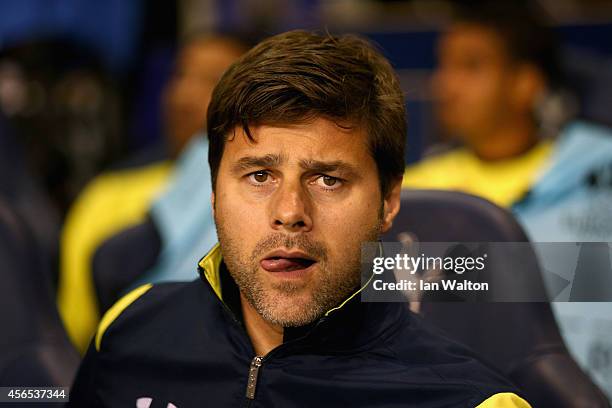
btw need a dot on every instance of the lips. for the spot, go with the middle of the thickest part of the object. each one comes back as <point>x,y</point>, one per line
<point>283,261</point>
<point>285,264</point>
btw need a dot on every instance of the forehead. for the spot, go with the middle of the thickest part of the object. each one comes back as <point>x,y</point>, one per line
<point>208,53</point>
<point>471,38</point>
<point>319,139</point>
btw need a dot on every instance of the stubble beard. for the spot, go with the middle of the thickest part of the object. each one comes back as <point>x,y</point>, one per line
<point>284,303</point>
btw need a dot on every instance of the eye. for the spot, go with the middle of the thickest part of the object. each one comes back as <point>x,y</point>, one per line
<point>259,177</point>
<point>328,182</point>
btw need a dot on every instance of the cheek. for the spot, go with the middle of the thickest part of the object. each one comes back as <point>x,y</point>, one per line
<point>357,209</point>
<point>479,102</point>
<point>346,227</point>
<point>233,210</point>
<point>488,88</point>
<point>244,218</point>
<point>477,94</point>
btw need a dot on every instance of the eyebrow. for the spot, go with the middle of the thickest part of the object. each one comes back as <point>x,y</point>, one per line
<point>247,162</point>
<point>325,167</point>
<point>275,160</point>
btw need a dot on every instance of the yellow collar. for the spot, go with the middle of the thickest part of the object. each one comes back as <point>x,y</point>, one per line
<point>210,265</point>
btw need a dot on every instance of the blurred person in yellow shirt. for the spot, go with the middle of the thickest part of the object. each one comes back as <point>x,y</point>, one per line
<point>497,92</point>
<point>497,64</point>
<point>118,199</point>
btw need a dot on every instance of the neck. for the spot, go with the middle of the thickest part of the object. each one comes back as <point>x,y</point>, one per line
<point>506,142</point>
<point>264,336</point>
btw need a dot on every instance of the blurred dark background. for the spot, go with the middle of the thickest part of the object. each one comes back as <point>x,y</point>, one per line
<point>80,81</point>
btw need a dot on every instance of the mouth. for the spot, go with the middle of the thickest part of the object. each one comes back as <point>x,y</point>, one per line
<point>287,263</point>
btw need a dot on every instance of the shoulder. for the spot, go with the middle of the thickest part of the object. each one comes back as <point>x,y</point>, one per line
<point>448,157</point>
<point>435,171</point>
<point>132,188</point>
<point>117,309</point>
<point>111,201</point>
<point>455,366</point>
<point>150,174</point>
<point>504,400</point>
<point>140,313</point>
<point>135,179</point>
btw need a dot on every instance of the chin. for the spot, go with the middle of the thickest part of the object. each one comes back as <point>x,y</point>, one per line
<point>293,312</point>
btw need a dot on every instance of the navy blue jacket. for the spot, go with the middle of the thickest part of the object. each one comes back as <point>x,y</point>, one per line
<point>180,345</point>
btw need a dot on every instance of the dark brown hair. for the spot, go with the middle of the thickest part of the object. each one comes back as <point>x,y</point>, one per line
<point>296,76</point>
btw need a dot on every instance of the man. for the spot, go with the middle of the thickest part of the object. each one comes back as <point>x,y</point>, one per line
<point>121,198</point>
<point>307,134</point>
<point>497,65</point>
<point>497,62</point>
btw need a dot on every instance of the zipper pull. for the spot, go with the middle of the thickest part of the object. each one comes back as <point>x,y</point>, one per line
<point>253,373</point>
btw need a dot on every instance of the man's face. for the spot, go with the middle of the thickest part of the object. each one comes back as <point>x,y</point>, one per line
<point>199,66</point>
<point>473,81</point>
<point>292,210</point>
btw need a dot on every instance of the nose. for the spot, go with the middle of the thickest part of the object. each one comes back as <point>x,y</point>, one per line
<point>290,209</point>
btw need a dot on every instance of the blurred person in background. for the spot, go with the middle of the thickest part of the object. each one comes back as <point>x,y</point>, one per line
<point>26,194</point>
<point>497,90</point>
<point>497,62</point>
<point>64,107</point>
<point>59,110</point>
<point>118,199</point>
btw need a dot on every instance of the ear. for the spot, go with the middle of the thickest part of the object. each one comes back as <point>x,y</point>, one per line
<point>528,87</point>
<point>391,205</point>
<point>212,203</point>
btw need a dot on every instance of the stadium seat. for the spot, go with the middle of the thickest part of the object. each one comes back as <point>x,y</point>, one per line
<point>34,348</point>
<point>521,339</point>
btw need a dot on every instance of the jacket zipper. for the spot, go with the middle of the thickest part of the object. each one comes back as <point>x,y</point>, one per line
<point>257,361</point>
<point>253,375</point>
<point>256,364</point>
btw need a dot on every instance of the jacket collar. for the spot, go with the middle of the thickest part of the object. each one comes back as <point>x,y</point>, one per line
<point>350,324</point>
